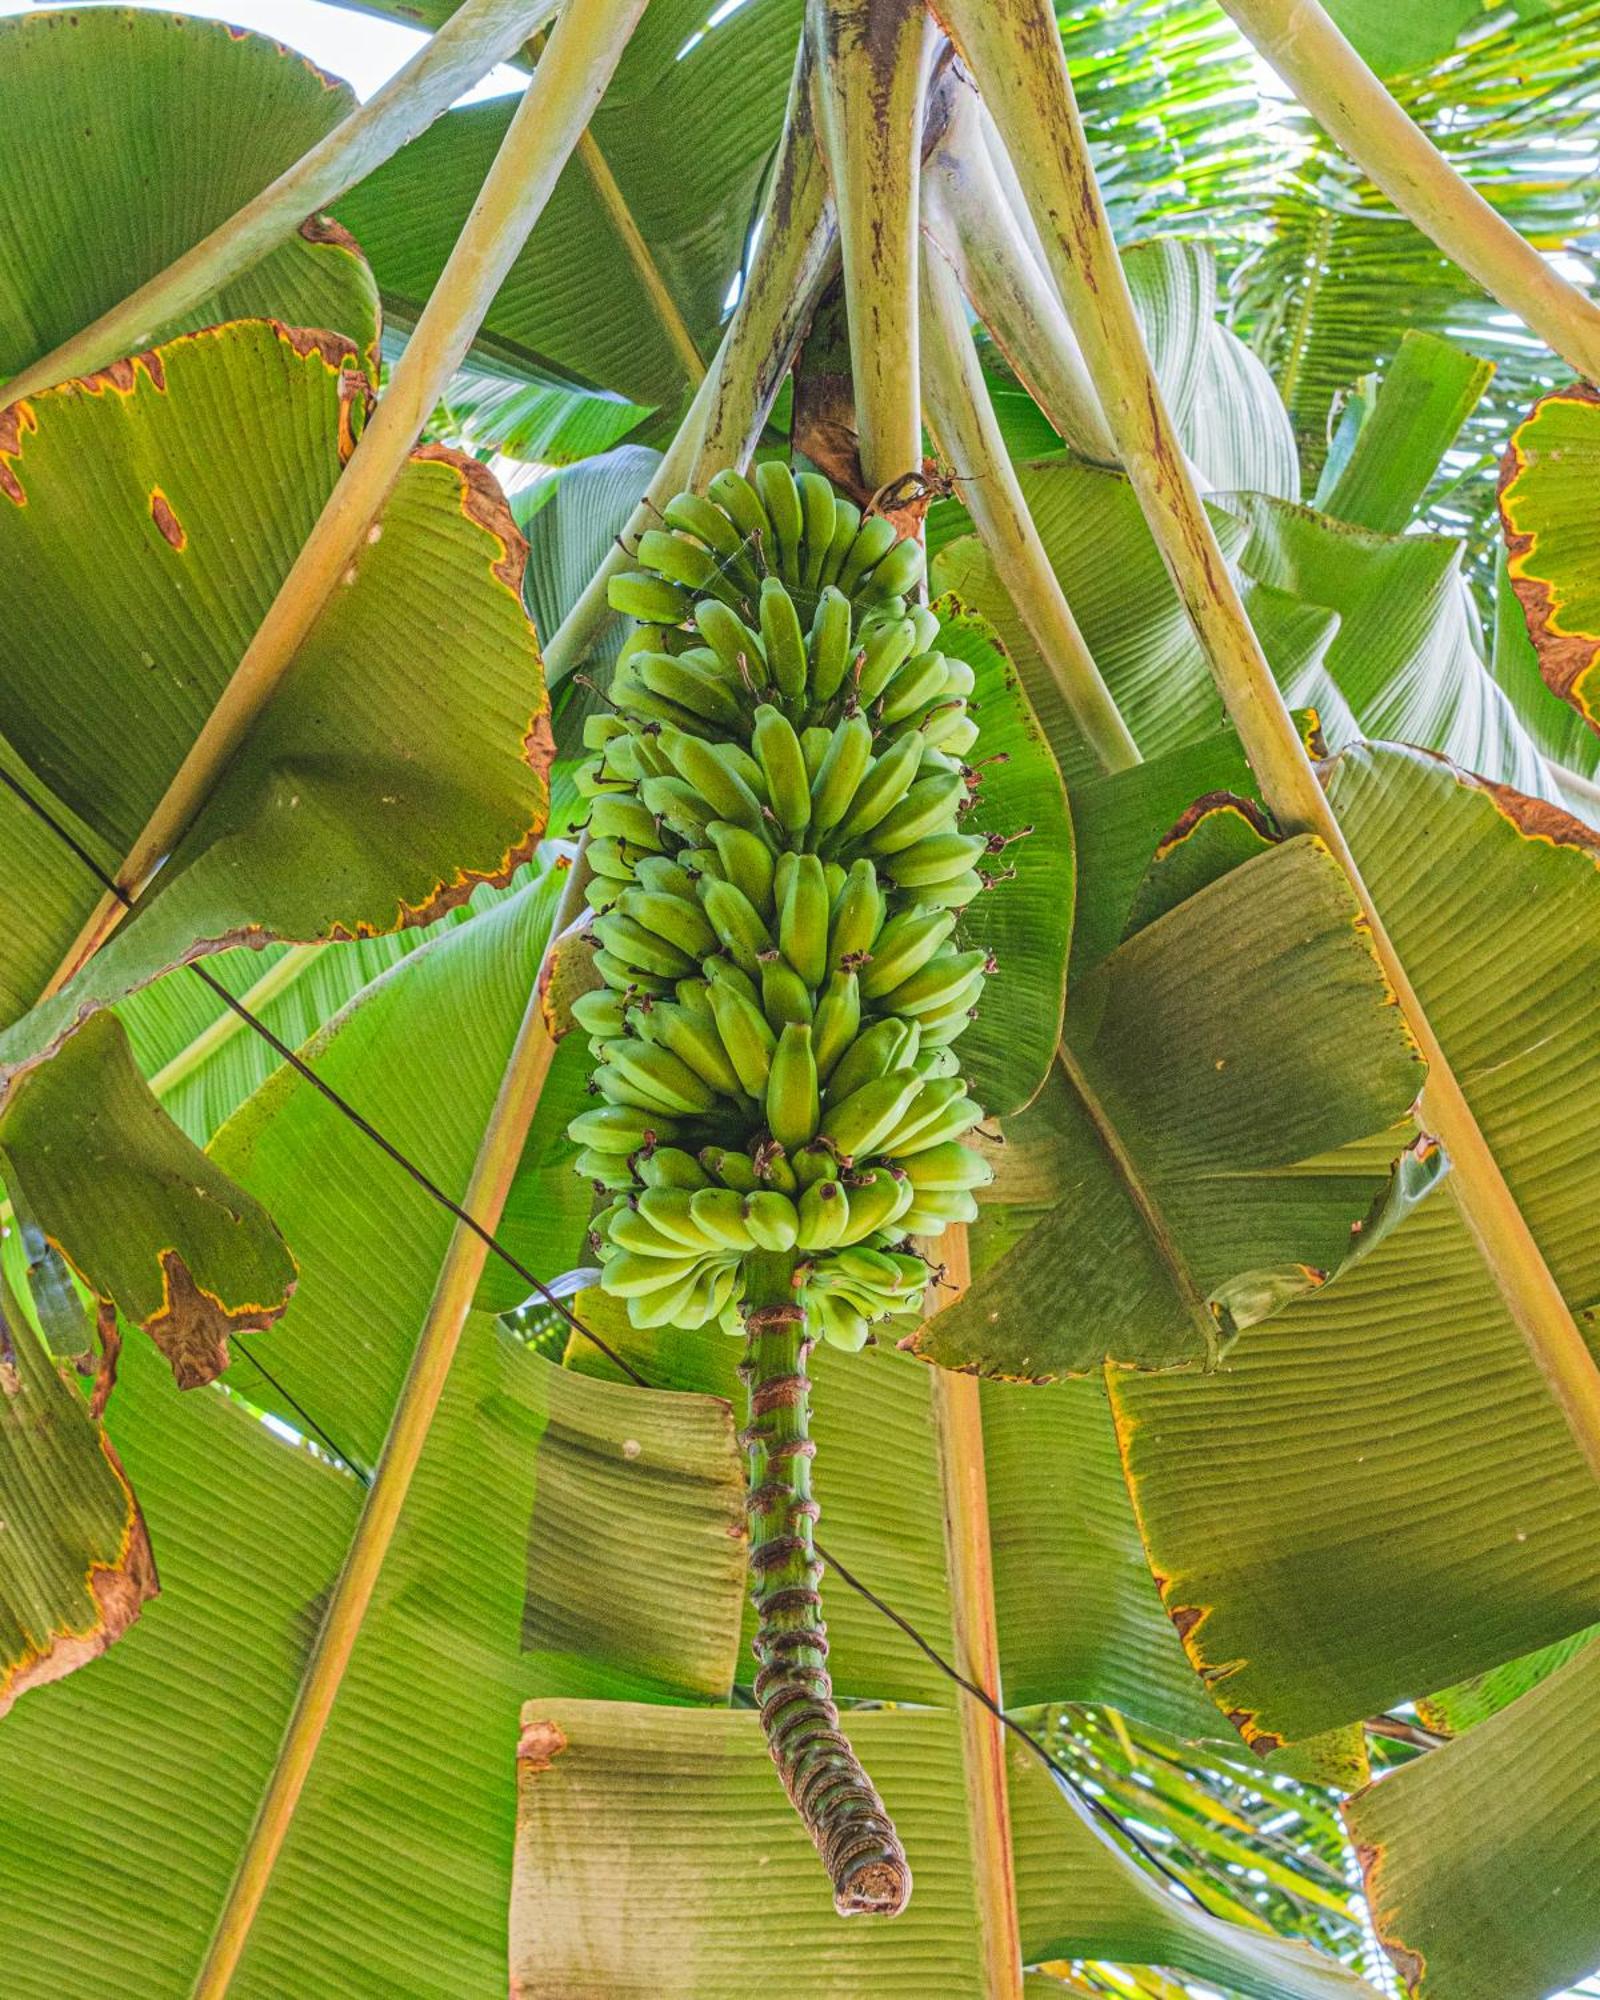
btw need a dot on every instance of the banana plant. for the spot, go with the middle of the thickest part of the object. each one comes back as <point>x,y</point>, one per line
<point>964,710</point>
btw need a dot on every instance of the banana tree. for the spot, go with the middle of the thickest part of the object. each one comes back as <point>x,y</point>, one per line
<point>977,771</point>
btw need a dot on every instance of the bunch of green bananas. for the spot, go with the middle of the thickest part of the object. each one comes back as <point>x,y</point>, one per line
<point>780,871</point>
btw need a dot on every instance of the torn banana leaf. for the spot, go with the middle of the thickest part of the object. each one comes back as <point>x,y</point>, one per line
<point>1377,1496</point>
<point>148,130</point>
<point>1166,1191</point>
<point>78,1564</point>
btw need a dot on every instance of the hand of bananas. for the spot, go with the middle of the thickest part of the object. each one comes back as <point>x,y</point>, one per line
<point>780,870</point>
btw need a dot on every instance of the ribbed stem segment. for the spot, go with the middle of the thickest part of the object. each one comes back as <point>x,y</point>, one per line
<point>826,1784</point>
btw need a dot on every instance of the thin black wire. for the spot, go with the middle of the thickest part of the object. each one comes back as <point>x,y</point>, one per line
<point>487,1237</point>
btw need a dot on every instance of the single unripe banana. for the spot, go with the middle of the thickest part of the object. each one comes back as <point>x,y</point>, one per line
<point>829,644</point>
<point>873,541</point>
<point>782,639</point>
<point>781,498</point>
<point>803,920</point>
<point>792,1099</point>
<point>638,594</point>
<point>817,511</point>
<point>739,500</point>
<point>783,766</point>
<point>838,779</point>
<point>824,1212</point>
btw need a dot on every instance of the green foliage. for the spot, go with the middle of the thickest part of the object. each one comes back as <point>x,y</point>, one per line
<point>1322,1476</point>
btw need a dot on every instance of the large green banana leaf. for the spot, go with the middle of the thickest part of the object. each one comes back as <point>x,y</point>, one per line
<point>78,1563</point>
<point>1155,1202</point>
<point>678,1811</point>
<point>1467,1917</point>
<point>1378,633</point>
<point>114,648</point>
<point>1394,432</point>
<point>1377,1495</point>
<point>626,1583</point>
<point>685,134</point>
<point>1228,415</point>
<point>126,136</point>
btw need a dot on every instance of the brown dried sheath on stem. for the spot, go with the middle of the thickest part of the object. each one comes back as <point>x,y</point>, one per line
<point>571,78</point>
<point>1014,51</point>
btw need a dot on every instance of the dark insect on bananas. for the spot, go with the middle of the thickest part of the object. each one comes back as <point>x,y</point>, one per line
<point>780,872</point>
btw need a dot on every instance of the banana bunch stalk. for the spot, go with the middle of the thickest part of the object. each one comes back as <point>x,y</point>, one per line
<point>780,872</point>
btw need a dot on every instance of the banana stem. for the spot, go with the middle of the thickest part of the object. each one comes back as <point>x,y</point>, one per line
<point>870,63</point>
<point>968,214</point>
<point>792,264</point>
<point>830,1791</point>
<point>478,35</point>
<point>963,421</point>
<point>1307,50</point>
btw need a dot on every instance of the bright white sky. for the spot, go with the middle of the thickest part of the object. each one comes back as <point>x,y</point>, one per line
<point>362,49</point>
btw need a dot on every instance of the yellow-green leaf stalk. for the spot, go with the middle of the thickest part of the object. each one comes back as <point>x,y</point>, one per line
<point>780,872</point>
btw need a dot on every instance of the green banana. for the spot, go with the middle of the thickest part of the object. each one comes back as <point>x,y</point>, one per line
<point>677,919</point>
<point>817,510</point>
<point>881,792</point>
<point>839,775</point>
<point>873,541</point>
<point>846,520</point>
<point>747,862</point>
<point>771,1220</point>
<point>858,1123</point>
<point>857,915</point>
<point>736,923</point>
<point>873,1053</point>
<point>719,1211</point>
<point>782,639</point>
<point>694,1040</point>
<point>638,594</point>
<point>738,499</point>
<point>670,1166</point>
<point>829,644</point>
<point>730,638</point>
<point>688,685</point>
<point>714,776</point>
<point>929,805</point>
<point>824,1214</point>
<point>884,653</point>
<point>697,516</point>
<point>746,1036</point>
<point>785,996</point>
<point>792,1101</point>
<point>904,946</point>
<point>803,920</point>
<point>781,499</point>
<point>876,1204</point>
<point>783,767</point>
<point>836,1022</point>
